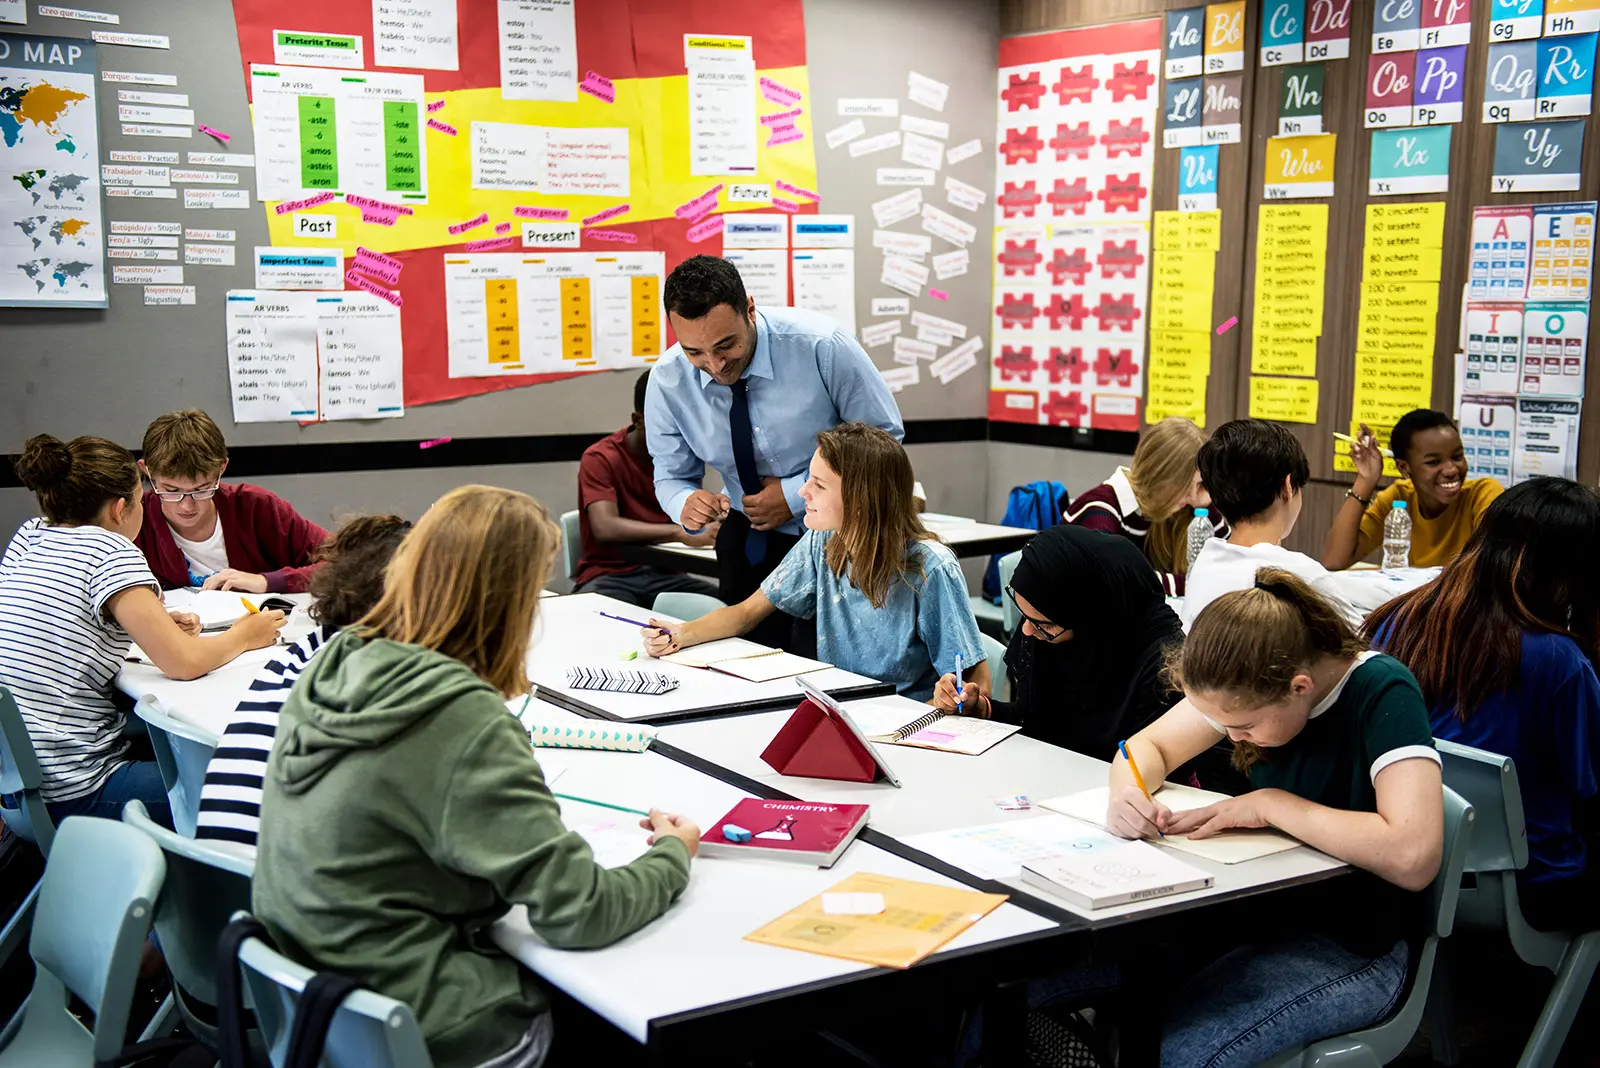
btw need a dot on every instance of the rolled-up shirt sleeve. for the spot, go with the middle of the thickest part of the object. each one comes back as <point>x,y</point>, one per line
<point>678,471</point>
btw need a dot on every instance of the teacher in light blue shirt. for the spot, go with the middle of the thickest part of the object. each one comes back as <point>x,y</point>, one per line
<point>746,392</point>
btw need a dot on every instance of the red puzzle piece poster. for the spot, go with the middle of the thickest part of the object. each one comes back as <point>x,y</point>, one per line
<point>1075,150</point>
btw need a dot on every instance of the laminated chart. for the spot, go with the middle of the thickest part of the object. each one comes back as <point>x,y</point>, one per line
<point>1181,296</point>
<point>321,130</point>
<point>1076,144</point>
<point>1291,273</point>
<point>521,313</point>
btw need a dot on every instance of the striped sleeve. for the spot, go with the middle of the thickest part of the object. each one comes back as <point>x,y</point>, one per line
<point>122,566</point>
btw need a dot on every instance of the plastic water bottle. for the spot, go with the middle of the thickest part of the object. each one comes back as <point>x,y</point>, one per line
<point>1200,532</point>
<point>1397,537</point>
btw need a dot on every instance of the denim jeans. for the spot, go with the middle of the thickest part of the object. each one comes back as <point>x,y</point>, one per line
<point>1254,1002</point>
<point>139,781</point>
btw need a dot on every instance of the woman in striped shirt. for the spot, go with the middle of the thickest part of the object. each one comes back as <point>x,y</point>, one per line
<point>1152,502</point>
<point>347,583</point>
<point>75,593</point>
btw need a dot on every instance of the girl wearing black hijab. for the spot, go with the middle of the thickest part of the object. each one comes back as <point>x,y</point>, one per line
<point>1087,664</point>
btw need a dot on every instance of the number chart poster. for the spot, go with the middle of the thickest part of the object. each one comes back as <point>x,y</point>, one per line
<point>1076,146</point>
<point>578,127</point>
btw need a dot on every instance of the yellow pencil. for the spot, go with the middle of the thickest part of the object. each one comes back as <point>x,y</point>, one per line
<point>252,609</point>
<point>1138,780</point>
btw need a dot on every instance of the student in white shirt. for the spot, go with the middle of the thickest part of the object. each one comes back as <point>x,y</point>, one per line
<point>74,594</point>
<point>1255,471</point>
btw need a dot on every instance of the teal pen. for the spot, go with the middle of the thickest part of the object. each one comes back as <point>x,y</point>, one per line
<point>602,804</point>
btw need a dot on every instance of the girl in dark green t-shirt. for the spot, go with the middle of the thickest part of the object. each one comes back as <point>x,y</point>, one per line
<point>1338,748</point>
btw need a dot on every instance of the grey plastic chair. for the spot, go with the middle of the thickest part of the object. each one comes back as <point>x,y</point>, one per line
<point>20,775</point>
<point>998,673</point>
<point>1011,619</point>
<point>1499,850</point>
<point>182,753</point>
<point>685,606</point>
<point>571,542</point>
<point>368,1030</point>
<point>1387,1039</point>
<point>99,892</point>
<point>206,884</point>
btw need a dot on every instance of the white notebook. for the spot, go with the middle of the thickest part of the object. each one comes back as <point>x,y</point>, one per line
<point>744,659</point>
<point>1227,847</point>
<point>930,729</point>
<point>1102,870</point>
<point>217,609</point>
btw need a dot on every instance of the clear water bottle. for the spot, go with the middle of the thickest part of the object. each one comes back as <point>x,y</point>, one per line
<point>1397,537</point>
<point>1200,532</point>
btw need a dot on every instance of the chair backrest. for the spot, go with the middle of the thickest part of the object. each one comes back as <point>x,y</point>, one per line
<point>998,674</point>
<point>182,753</point>
<point>1010,619</point>
<point>1489,782</point>
<point>206,884</point>
<point>1459,825</point>
<point>20,775</point>
<point>571,542</point>
<point>368,1031</point>
<point>685,606</point>
<point>99,893</point>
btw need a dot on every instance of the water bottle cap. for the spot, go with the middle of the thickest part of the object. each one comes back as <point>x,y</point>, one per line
<point>1198,512</point>
<point>1400,505</point>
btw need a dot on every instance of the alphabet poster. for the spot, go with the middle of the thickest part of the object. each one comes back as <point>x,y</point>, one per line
<point>1075,160</point>
<point>1412,159</point>
<point>1538,157</point>
<point>1300,166</point>
<point>1300,105</point>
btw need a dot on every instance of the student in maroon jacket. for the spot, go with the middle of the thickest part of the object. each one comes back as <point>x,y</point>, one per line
<point>198,532</point>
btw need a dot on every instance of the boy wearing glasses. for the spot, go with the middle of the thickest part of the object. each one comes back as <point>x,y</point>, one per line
<point>199,532</point>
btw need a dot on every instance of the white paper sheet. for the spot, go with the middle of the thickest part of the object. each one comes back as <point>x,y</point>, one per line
<point>538,50</point>
<point>585,161</point>
<point>298,268</point>
<point>765,273</point>
<point>1547,438</point>
<point>359,339</point>
<point>417,34</point>
<point>723,129</point>
<point>272,355</point>
<point>825,282</point>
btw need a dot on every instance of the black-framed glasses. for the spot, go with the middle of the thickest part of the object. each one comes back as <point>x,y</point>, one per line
<point>1043,626</point>
<point>204,493</point>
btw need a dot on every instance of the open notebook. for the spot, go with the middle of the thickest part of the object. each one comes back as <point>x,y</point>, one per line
<point>1227,847</point>
<point>745,660</point>
<point>217,609</point>
<point>931,729</point>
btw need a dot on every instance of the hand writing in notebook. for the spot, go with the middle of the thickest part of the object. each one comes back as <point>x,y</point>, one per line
<point>659,638</point>
<point>1245,811</point>
<point>944,696</point>
<point>1131,814</point>
<point>188,622</point>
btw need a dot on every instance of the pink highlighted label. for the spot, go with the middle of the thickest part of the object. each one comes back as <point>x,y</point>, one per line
<point>796,190</point>
<point>710,228</point>
<point>599,87</point>
<point>553,214</point>
<point>489,243</point>
<point>938,294</point>
<point>783,135</point>
<point>784,205</point>
<point>502,228</point>
<point>470,224</point>
<point>365,203</point>
<point>778,94</point>
<point>218,134</point>
<point>298,205</point>
<point>436,105</point>
<point>442,127</point>
<point>378,218</point>
<point>435,441</point>
<point>694,209</point>
<point>385,268</point>
<point>372,287</point>
<point>1233,320</point>
<point>609,213</point>
<point>782,118</point>
<point>621,237</point>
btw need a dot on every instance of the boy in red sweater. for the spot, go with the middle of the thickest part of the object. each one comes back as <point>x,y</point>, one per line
<point>198,532</point>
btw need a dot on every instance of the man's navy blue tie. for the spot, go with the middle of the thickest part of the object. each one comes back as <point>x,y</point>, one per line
<point>744,461</point>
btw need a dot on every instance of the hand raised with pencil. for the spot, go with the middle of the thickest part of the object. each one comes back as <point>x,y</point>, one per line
<point>661,640</point>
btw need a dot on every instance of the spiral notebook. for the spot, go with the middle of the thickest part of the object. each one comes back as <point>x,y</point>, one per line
<point>744,659</point>
<point>933,729</point>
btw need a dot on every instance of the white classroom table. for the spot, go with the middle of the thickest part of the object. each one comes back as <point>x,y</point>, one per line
<point>572,632</point>
<point>948,791</point>
<point>695,958</point>
<point>965,537</point>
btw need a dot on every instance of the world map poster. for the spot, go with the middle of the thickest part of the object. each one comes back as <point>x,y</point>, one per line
<point>52,243</point>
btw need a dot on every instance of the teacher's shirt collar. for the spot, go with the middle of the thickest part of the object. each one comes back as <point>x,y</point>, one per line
<point>760,363</point>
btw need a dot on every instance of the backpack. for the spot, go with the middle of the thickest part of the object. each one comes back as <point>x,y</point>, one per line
<point>1035,506</point>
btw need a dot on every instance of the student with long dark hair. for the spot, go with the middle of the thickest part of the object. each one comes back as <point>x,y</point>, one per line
<point>1503,644</point>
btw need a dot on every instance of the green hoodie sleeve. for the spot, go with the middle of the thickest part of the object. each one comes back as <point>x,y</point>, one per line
<point>501,823</point>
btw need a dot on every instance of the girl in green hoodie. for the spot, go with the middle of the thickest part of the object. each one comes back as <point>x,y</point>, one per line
<point>403,810</point>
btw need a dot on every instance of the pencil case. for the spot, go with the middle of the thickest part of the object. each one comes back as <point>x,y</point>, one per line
<point>565,734</point>
<point>620,680</point>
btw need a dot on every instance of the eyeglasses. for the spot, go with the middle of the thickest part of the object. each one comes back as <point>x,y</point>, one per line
<point>1046,628</point>
<point>205,493</point>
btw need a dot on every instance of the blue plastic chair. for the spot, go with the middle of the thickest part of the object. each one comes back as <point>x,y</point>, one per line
<point>182,753</point>
<point>685,606</point>
<point>99,892</point>
<point>368,1030</point>
<point>571,543</point>
<point>1499,850</point>
<point>998,673</point>
<point>207,882</point>
<point>1387,1039</point>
